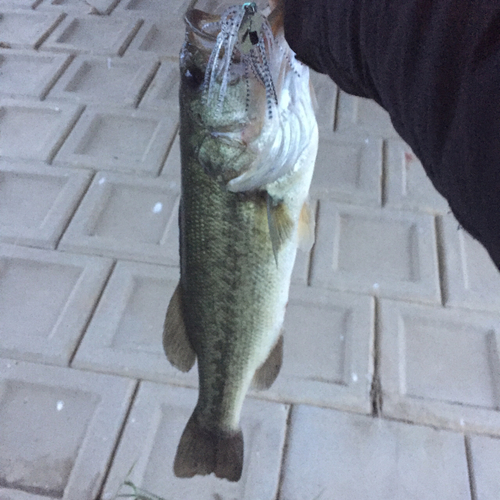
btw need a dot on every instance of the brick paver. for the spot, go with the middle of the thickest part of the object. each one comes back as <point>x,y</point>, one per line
<point>100,80</point>
<point>337,455</point>
<point>20,139</point>
<point>390,384</point>
<point>37,202</point>
<point>116,139</point>
<point>46,299</point>
<point>58,431</point>
<point>386,253</point>
<point>127,217</point>
<point>21,29</point>
<point>440,366</point>
<point>29,74</point>
<point>107,36</point>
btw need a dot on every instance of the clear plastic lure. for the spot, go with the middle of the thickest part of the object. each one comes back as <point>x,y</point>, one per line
<point>243,29</point>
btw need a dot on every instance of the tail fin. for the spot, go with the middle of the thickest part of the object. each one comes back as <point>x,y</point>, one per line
<point>202,452</point>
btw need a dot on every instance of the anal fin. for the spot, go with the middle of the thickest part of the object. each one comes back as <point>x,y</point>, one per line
<point>267,373</point>
<point>176,343</point>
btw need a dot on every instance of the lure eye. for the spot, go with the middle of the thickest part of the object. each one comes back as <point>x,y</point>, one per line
<point>250,7</point>
<point>194,77</point>
<point>254,38</point>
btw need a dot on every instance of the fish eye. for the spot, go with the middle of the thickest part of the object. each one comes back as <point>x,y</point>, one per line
<point>194,77</point>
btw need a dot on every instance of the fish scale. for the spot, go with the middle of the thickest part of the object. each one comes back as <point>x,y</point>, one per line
<point>227,284</point>
<point>237,244</point>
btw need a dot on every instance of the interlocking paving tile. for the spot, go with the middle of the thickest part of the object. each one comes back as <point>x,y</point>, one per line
<point>97,35</point>
<point>471,278</point>
<point>125,334</point>
<point>37,201</point>
<point>20,29</point>
<point>386,253</point>
<point>34,131</point>
<point>126,217</point>
<point>407,184</point>
<point>328,348</point>
<point>351,457</point>
<point>58,430</point>
<point>105,80</point>
<point>440,366</point>
<point>29,74</point>
<point>161,37</point>
<point>119,139</point>
<point>163,93</point>
<point>326,97</point>
<point>348,169</point>
<point>46,299</point>
<point>152,433</point>
<point>485,465</point>
<point>98,7</point>
<point>359,116</point>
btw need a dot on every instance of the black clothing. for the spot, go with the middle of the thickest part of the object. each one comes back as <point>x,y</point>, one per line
<point>434,65</point>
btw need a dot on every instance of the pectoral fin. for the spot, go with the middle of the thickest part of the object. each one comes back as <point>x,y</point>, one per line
<point>280,224</point>
<point>176,343</point>
<point>306,227</point>
<point>267,373</point>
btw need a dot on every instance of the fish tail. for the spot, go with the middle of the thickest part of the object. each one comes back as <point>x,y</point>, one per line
<point>202,451</point>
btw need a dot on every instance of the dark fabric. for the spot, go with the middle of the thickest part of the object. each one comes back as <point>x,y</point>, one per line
<point>434,65</point>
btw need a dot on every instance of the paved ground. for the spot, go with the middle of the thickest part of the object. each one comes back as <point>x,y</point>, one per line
<point>390,387</point>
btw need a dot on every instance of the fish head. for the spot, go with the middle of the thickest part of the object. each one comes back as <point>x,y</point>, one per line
<point>244,98</point>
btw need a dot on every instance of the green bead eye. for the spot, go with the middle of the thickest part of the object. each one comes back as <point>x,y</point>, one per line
<point>250,7</point>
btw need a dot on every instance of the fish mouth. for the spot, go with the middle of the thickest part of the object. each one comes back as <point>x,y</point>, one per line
<point>238,44</point>
<point>242,86</point>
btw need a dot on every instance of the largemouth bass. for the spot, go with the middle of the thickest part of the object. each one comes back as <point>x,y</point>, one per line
<point>248,146</point>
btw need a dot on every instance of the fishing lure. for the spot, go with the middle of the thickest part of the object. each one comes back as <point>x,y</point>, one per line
<point>245,30</point>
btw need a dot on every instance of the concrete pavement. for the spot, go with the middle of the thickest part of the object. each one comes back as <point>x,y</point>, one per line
<point>390,387</point>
